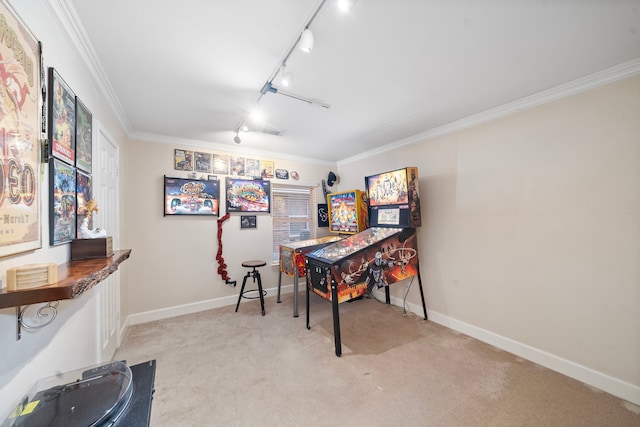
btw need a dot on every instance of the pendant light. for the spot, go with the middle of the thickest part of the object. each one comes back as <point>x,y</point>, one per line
<point>306,41</point>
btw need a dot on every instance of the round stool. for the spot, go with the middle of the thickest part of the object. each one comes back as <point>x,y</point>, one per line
<point>255,274</point>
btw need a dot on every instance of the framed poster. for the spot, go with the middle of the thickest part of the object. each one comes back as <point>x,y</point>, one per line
<point>203,162</point>
<point>221,164</point>
<point>21,125</point>
<point>84,126</point>
<point>183,160</point>
<point>62,202</point>
<point>282,174</point>
<point>252,167</point>
<point>184,196</point>
<point>248,195</point>
<point>248,221</point>
<point>266,168</point>
<point>84,193</point>
<point>236,165</point>
<point>323,215</point>
<point>62,119</point>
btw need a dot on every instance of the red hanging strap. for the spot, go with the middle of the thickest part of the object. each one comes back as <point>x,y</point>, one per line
<point>222,267</point>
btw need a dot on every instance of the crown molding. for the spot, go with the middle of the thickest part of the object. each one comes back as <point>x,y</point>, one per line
<point>170,140</point>
<point>68,20</point>
<point>609,75</point>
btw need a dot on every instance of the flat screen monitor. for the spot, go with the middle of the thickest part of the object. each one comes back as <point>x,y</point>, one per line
<point>183,196</point>
<point>393,198</point>
<point>248,195</point>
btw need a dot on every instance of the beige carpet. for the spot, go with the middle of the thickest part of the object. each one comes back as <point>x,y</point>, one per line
<point>221,368</point>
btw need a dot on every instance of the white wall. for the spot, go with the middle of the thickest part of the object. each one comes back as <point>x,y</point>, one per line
<point>531,232</point>
<point>70,341</point>
<point>173,267</point>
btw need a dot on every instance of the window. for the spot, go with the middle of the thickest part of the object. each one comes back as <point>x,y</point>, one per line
<point>293,213</point>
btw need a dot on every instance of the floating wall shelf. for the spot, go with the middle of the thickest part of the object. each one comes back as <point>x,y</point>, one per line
<point>74,278</point>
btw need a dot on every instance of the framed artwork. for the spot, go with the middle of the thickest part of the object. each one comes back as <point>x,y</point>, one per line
<point>62,119</point>
<point>236,165</point>
<point>84,193</point>
<point>252,167</point>
<point>248,195</point>
<point>266,169</point>
<point>62,202</point>
<point>248,221</point>
<point>212,177</point>
<point>323,215</point>
<point>203,162</point>
<point>84,127</point>
<point>221,164</point>
<point>183,160</point>
<point>282,174</point>
<point>183,196</point>
<point>21,123</point>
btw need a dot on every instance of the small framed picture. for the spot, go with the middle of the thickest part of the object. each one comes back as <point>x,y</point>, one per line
<point>282,174</point>
<point>212,177</point>
<point>203,162</point>
<point>83,137</point>
<point>62,202</point>
<point>62,119</point>
<point>248,221</point>
<point>183,160</point>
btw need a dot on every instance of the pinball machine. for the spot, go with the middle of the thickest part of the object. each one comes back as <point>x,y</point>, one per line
<point>376,257</point>
<point>292,262</point>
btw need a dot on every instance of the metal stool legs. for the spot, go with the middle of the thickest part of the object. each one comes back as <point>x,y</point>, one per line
<point>255,274</point>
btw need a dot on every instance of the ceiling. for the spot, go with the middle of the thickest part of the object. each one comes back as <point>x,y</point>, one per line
<point>192,70</point>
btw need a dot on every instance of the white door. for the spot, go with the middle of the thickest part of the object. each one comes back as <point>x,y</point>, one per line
<point>105,191</point>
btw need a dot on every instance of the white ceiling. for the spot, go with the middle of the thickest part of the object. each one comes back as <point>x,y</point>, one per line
<point>192,69</point>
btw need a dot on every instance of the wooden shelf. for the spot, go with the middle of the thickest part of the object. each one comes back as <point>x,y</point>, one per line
<point>74,278</point>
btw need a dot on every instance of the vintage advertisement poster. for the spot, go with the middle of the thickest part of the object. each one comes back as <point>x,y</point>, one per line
<point>183,160</point>
<point>62,217</point>
<point>266,169</point>
<point>84,194</point>
<point>62,118</point>
<point>221,164</point>
<point>252,167</point>
<point>20,97</point>
<point>84,125</point>
<point>203,162</point>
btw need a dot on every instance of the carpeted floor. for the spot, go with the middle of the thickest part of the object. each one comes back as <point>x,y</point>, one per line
<point>221,368</point>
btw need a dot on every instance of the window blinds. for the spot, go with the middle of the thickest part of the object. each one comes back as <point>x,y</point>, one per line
<point>293,214</point>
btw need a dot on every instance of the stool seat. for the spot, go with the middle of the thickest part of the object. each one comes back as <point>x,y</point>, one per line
<point>254,274</point>
<point>254,263</point>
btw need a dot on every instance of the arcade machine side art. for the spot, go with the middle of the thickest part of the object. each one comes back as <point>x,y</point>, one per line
<point>361,263</point>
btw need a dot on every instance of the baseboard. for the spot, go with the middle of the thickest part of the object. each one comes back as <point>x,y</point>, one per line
<point>604,382</point>
<point>180,310</point>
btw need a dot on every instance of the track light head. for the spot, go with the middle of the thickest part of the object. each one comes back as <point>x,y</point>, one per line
<point>345,5</point>
<point>306,41</point>
<point>237,139</point>
<point>287,77</point>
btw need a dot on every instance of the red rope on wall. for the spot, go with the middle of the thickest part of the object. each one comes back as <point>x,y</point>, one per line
<point>222,267</point>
